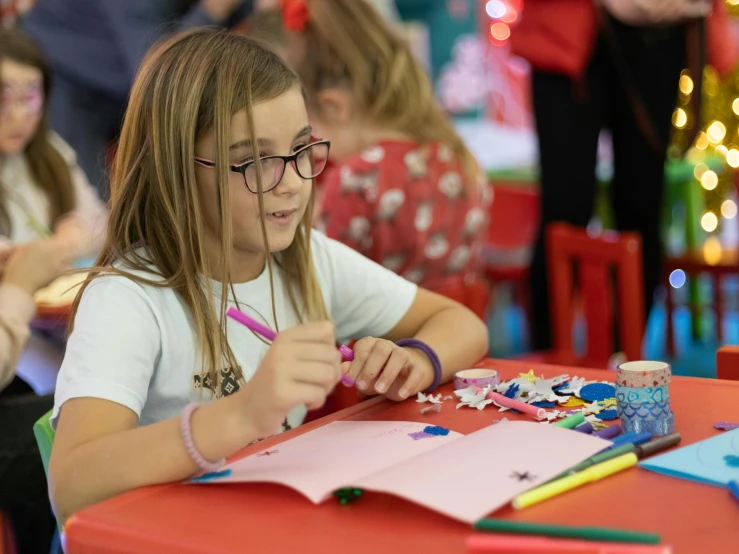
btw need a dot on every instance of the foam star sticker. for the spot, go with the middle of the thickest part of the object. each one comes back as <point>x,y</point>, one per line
<point>543,390</point>
<point>530,376</point>
<point>525,386</point>
<point>576,383</point>
<point>592,408</point>
<point>473,398</point>
<point>608,402</point>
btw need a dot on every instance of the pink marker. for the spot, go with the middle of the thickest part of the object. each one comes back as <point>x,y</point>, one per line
<point>346,353</point>
<point>538,413</point>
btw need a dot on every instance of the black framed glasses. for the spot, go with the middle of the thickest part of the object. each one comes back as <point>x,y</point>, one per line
<point>308,162</point>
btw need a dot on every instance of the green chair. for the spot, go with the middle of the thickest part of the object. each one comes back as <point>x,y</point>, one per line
<point>45,440</point>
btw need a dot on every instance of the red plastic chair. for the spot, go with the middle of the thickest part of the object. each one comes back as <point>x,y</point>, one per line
<point>727,363</point>
<point>594,257</point>
<point>514,223</point>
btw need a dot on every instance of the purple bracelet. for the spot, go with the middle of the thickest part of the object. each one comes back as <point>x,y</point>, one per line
<point>203,464</point>
<point>426,349</point>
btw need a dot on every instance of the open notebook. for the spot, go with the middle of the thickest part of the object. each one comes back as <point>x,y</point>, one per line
<point>463,477</point>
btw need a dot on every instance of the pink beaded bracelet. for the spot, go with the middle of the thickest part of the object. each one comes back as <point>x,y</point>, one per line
<point>203,464</point>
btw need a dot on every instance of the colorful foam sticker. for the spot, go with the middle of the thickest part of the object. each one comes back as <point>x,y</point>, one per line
<point>573,402</point>
<point>726,426</point>
<point>433,409</point>
<point>597,391</point>
<point>607,415</point>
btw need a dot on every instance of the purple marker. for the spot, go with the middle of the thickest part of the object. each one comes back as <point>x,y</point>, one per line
<point>609,432</point>
<point>584,428</point>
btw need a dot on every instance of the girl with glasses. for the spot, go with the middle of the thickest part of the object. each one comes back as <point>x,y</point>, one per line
<point>211,208</point>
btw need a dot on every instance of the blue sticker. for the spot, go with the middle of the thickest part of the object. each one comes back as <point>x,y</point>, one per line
<point>607,415</point>
<point>544,404</point>
<point>731,460</point>
<point>436,430</point>
<point>595,392</point>
<point>558,389</point>
<point>512,391</point>
<point>211,476</point>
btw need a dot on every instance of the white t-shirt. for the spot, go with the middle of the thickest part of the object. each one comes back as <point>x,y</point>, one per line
<point>135,345</point>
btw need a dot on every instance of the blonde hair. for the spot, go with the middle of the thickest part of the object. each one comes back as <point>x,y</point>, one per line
<point>348,44</point>
<point>188,85</point>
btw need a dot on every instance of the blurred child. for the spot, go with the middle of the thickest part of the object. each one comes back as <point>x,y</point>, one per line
<point>49,215</point>
<point>212,193</point>
<point>405,190</point>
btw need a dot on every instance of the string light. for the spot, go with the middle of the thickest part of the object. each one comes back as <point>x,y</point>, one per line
<point>732,158</point>
<point>500,31</point>
<point>686,84</point>
<point>701,141</point>
<point>679,118</point>
<point>735,106</point>
<point>709,222</point>
<point>495,9</point>
<point>709,180</point>
<point>728,209</point>
<point>716,132</point>
<point>699,170</point>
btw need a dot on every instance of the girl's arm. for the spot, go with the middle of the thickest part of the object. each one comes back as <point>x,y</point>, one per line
<point>81,231</point>
<point>99,451</point>
<point>458,336</point>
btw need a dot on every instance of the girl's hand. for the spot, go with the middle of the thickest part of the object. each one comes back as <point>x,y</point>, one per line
<point>34,265</point>
<point>382,367</point>
<point>302,366</point>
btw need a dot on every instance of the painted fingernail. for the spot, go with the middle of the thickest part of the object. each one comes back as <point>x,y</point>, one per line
<point>361,384</point>
<point>380,387</point>
<point>403,393</point>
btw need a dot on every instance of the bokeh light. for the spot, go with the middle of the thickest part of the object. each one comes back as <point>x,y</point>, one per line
<point>677,278</point>
<point>716,132</point>
<point>732,158</point>
<point>495,9</point>
<point>728,209</point>
<point>712,250</point>
<point>709,222</point>
<point>679,118</point>
<point>686,84</point>
<point>500,31</point>
<point>701,141</point>
<point>709,180</point>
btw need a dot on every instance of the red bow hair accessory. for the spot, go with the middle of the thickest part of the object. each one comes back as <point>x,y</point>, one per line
<point>295,15</point>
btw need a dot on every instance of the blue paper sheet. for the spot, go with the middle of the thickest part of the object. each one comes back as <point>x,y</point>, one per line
<point>708,461</point>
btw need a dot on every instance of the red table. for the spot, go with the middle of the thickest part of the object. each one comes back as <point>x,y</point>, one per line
<point>261,518</point>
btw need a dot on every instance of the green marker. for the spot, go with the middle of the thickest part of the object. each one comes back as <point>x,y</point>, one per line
<point>585,533</point>
<point>571,422</point>
<point>598,458</point>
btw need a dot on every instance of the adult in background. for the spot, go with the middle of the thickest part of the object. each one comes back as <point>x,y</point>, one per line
<point>95,47</point>
<point>613,63</point>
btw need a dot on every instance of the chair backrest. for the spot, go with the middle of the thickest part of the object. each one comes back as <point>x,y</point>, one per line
<point>596,258</point>
<point>727,363</point>
<point>45,440</point>
<point>514,216</point>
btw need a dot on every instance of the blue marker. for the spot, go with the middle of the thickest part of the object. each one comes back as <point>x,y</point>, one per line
<point>630,438</point>
<point>734,489</point>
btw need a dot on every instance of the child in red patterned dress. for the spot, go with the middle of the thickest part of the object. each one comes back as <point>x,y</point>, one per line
<point>404,191</point>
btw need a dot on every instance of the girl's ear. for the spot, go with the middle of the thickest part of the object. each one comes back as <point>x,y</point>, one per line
<point>336,106</point>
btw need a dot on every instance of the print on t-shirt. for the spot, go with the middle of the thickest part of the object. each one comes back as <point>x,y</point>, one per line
<point>229,383</point>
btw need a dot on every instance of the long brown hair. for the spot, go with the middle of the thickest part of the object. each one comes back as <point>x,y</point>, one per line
<point>188,85</point>
<point>347,43</point>
<point>48,168</point>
